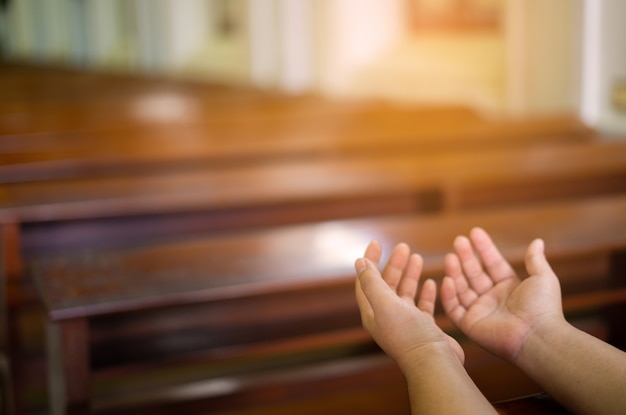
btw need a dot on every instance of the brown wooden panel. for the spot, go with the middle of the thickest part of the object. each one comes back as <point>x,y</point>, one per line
<point>56,124</point>
<point>479,178</point>
<point>247,263</point>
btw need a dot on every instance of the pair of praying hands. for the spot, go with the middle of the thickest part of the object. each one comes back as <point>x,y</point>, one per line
<point>519,319</point>
<point>480,293</point>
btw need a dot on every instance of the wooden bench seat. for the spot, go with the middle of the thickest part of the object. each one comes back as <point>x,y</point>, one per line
<point>69,124</point>
<point>287,192</point>
<point>188,145</point>
<point>62,213</point>
<point>39,106</point>
<point>297,281</point>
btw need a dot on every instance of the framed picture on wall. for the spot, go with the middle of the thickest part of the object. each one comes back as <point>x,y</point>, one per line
<point>454,14</point>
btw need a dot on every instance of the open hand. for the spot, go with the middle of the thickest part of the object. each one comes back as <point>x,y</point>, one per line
<point>485,298</point>
<point>388,307</point>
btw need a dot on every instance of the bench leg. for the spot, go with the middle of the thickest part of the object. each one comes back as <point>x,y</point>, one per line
<point>69,366</point>
<point>11,273</point>
<point>617,312</point>
<point>6,404</point>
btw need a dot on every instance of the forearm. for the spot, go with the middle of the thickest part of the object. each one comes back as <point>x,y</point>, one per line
<point>583,373</point>
<point>439,384</point>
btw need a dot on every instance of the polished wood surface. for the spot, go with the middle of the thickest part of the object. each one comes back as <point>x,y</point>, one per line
<point>56,124</point>
<point>64,152</point>
<point>538,404</point>
<point>298,280</point>
<point>249,263</point>
<point>446,181</point>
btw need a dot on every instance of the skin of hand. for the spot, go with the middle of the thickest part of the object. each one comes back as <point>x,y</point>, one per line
<point>387,302</point>
<point>432,362</point>
<point>485,298</point>
<point>522,321</point>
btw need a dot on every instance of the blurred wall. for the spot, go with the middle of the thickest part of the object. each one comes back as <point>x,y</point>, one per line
<point>522,57</point>
<point>603,90</point>
<point>554,38</point>
<point>352,34</point>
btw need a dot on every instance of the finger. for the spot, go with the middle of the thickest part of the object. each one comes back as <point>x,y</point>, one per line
<point>374,288</point>
<point>452,267</point>
<point>472,267</point>
<point>497,266</point>
<point>536,262</point>
<point>398,259</point>
<point>407,288</point>
<point>426,301</point>
<point>374,251</point>
<point>450,301</point>
<point>365,307</point>
<point>454,270</point>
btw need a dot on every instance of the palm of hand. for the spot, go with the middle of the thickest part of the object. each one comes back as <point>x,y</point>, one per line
<point>404,327</point>
<point>499,319</point>
<point>494,307</point>
<point>389,311</point>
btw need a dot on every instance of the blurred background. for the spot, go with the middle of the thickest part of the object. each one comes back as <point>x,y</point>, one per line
<point>511,57</point>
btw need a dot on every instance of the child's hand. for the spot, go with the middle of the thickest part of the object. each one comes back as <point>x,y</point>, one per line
<point>388,309</point>
<point>484,297</point>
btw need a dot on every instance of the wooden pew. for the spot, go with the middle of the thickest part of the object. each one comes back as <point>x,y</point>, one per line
<point>33,210</point>
<point>366,185</point>
<point>71,211</point>
<point>66,212</point>
<point>51,101</point>
<point>261,295</point>
<point>186,146</point>
<point>59,124</point>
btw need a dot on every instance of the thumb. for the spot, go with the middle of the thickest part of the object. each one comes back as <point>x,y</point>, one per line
<point>535,259</point>
<point>374,289</point>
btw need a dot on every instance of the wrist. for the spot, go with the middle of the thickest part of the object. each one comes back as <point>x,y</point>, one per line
<point>439,384</point>
<point>414,361</point>
<point>538,337</point>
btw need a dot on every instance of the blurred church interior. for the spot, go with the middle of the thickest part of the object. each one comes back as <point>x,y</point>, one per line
<point>498,56</point>
<point>185,184</point>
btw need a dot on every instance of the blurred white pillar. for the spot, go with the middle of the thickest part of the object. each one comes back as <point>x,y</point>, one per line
<point>516,88</point>
<point>604,65</point>
<point>591,60</point>
<point>282,44</point>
